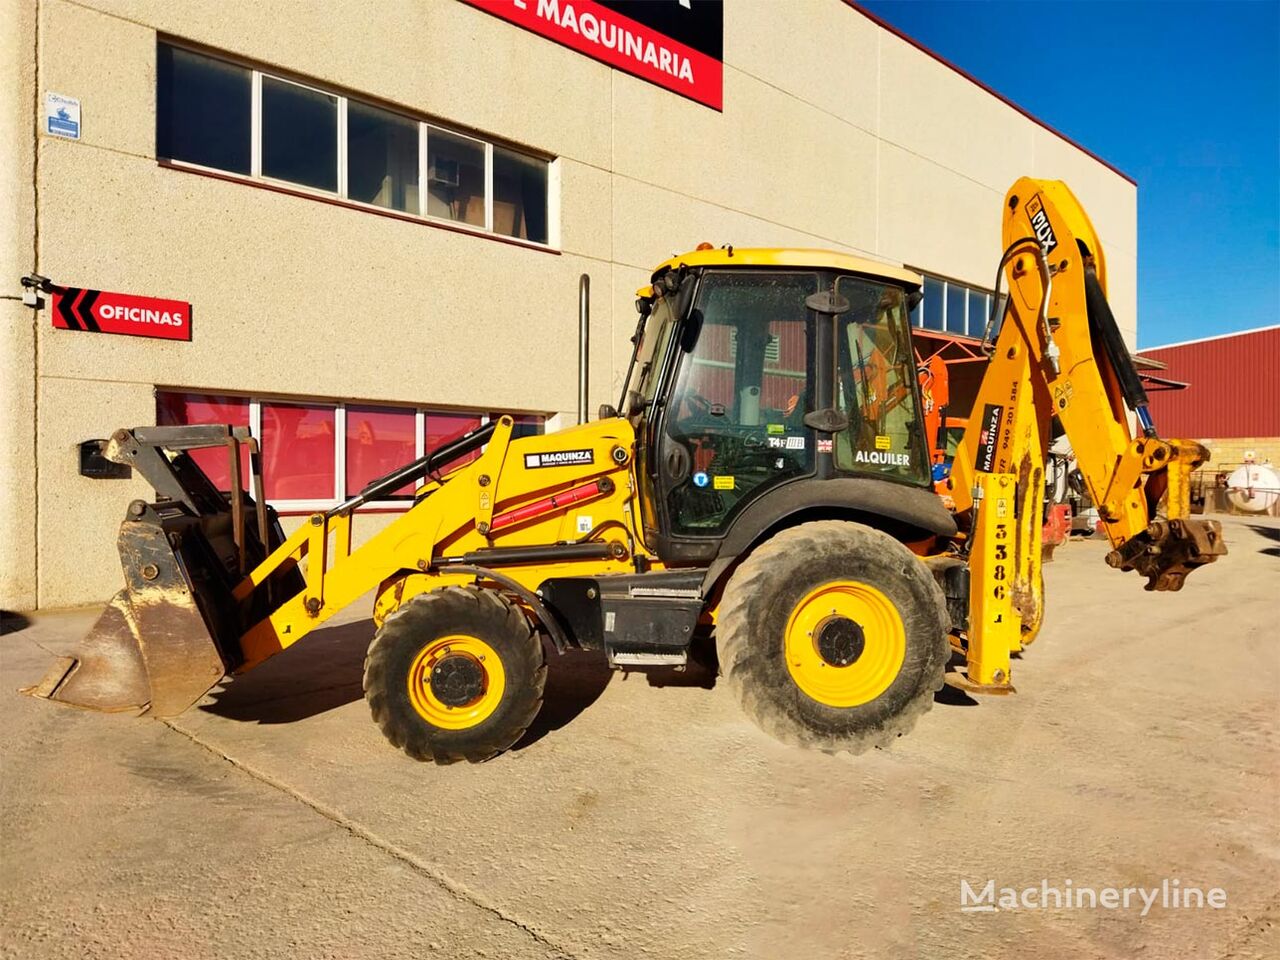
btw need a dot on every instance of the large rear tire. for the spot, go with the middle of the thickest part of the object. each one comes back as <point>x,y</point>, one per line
<point>455,674</point>
<point>834,636</point>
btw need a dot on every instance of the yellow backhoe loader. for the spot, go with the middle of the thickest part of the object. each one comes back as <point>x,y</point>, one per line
<point>764,481</point>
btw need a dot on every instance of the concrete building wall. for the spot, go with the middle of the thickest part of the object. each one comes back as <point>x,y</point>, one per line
<point>863,143</point>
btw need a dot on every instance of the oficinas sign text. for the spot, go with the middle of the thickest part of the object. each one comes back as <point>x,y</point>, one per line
<point>98,311</point>
<point>676,44</point>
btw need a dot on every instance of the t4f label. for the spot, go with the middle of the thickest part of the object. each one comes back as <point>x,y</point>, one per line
<point>99,311</point>
<point>559,458</point>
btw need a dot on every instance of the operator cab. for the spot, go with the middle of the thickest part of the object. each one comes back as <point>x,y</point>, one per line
<point>756,369</point>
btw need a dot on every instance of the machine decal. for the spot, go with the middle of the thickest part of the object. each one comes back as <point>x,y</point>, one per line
<point>883,442</point>
<point>882,458</point>
<point>700,479</point>
<point>559,458</point>
<point>824,446</point>
<point>776,428</point>
<point>722,483</point>
<point>1041,225</point>
<point>992,416</point>
<point>795,443</point>
<point>584,523</point>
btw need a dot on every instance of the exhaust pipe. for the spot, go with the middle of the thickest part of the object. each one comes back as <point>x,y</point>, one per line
<point>584,341</point>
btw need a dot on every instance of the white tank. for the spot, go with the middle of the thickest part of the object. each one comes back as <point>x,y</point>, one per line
<point>1254,488</point>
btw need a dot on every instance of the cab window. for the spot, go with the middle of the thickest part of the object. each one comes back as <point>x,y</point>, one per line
<point>876,384</point>
<point>740,395</point>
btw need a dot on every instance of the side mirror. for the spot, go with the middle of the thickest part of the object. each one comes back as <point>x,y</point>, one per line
<point>607,411</point>
<point>913,299</point>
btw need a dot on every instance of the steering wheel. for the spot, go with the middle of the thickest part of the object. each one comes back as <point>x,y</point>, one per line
<point>700,412</point>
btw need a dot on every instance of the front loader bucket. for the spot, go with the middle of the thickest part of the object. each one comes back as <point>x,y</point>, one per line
<point>150,650</point>
<point>174,630</point>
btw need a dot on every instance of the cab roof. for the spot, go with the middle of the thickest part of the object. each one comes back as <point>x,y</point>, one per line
<point>791,257</point>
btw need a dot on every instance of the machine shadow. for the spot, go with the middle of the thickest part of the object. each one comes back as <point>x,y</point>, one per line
<point>11,622</point>
<point>574,682</point>
<point>299,683</point>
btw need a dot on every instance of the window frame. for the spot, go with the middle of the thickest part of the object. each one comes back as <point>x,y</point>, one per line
<point>305,507</point>
<point>340,196</point>
<point>973,327</point>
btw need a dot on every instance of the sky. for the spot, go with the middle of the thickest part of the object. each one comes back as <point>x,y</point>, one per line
<point>1183,97</point>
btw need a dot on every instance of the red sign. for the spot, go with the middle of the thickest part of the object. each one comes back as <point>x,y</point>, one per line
<point>649,51</point>
<point>98,311</point>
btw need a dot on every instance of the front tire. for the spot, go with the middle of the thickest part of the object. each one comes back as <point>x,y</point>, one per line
<point>834,636</point>
<point>455,674</point>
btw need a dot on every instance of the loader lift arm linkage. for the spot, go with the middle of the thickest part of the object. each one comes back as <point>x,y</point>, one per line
<point>765,484</point>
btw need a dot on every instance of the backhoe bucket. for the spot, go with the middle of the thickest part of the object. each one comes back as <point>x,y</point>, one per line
<point>174,630</point>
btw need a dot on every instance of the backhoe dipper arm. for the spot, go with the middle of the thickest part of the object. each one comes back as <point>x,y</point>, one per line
<point>1059,353</point>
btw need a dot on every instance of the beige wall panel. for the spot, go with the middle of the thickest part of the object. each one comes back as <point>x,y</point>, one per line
<point>775,42</point>
<point>439,57</point>
<point>929,109</point>
<point>18,492</point>
<point>282,286</point>
<point>1122,294</point>
<point>777,157</point>
<point>80,518</point>
<point>651,225</point>
<point>936,220</point>
<point>585,197</point>
<point>109,64</point>
<point>1109,199</point>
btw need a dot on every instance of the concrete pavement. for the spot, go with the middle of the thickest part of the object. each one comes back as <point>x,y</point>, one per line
<point>649,819</point>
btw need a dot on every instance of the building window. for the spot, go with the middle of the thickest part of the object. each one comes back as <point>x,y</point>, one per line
<point>225,116</point>
<point>952,308</point>
<point>934,304</point>
<point>204,110</point>
<point>519,196</point>
<point>186,409</point>
<point>315,454</point>
<point>379,440</point>
<point>455,177</point>
<point>382,158</point>
<point>299,135</point>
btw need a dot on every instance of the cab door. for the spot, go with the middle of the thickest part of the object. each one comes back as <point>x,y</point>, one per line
<point>733,423</point>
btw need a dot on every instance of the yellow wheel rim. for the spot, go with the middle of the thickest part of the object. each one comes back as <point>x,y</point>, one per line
<point>821,619</point>
<point>493,680</point>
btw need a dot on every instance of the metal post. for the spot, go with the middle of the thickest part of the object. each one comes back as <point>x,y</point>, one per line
<point>584,340</point>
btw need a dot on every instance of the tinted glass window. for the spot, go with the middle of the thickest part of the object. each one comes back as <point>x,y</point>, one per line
<point>379,440</point>
<point>519,195</point>
<point>955,308</point>
<point>977,312</point>
<point>299,135</point>
<point>382,158</point>
<point>203,112</point>
<point>876,385</point>
<point>741,395</point>
<point>455,177</point>
<point>932,305</point>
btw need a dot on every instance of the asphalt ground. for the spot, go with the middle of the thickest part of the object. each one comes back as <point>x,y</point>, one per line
<point>644,817</point>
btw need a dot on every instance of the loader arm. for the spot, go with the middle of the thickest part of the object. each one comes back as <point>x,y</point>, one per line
<point>1059,353</point>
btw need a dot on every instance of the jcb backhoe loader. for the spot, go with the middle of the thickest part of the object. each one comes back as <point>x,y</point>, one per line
<point>765,479</point>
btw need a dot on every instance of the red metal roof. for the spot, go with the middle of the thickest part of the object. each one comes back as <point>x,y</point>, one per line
<point>1234,386</point>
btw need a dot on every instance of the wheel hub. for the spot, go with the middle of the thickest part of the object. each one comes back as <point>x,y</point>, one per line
<point>841,641</point>
<point>457,680</point>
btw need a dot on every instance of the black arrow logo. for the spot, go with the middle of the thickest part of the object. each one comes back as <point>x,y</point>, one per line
<point>75,307</point>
